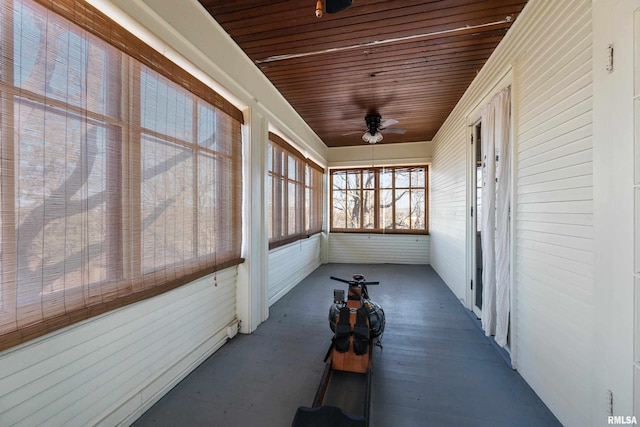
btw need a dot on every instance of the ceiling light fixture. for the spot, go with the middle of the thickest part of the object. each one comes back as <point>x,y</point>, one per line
<point>335,6</point>
<point>372,139</point>
<point>332,6</point>
<point>372,135</point>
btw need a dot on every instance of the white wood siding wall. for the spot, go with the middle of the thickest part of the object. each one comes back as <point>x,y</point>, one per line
<point>554,218</point>
<point>378,248</point>
<point>448,206</point>
<point>289,264</point>
<point>549,48</point>
<point>109,369</point>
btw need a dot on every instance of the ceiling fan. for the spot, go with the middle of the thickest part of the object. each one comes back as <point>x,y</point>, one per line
<point>375,126</point>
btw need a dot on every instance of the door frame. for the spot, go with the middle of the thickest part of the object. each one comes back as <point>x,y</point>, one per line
<point>472,219</point>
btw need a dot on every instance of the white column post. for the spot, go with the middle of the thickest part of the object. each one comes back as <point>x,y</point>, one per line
<point>251,304</point>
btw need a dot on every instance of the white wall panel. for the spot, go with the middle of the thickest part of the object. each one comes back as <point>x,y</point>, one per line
<point>614,95</point>
<point>408,153</point>
<point>549,49</point>
<point>289,264</point>
<point>448,206</point>
<point>555,145</point>
<point>109,369</point>
<point>378,248</point>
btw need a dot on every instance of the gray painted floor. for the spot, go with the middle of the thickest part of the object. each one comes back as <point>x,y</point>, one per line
<point>436,367</point>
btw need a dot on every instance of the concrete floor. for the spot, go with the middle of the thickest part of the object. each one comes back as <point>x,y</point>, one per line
<point>436,367</point>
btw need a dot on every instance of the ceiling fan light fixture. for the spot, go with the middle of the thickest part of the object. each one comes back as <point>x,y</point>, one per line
<point>372,139</point>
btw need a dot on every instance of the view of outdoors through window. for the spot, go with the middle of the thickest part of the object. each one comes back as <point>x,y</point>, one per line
<point>390,199</point>
<point>65,134</point>
<point>115,178</point>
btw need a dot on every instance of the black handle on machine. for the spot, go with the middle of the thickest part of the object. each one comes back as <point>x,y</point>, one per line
<point>354,282</point>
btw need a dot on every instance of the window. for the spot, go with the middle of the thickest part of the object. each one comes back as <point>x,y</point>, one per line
<point>118,183</point>
<point>186,171</point>
<point>387,200</point>
<point>314,177</point>
<point>294,194</point>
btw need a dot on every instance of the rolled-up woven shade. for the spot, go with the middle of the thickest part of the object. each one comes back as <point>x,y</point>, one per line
<point>121,174</point>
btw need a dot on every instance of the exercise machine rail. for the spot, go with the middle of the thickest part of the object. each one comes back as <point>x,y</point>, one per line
<point>331,374</point>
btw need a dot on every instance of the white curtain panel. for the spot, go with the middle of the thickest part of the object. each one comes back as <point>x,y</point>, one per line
<point>488,219</point>
<point>496,168</point>
<point>503,214</point>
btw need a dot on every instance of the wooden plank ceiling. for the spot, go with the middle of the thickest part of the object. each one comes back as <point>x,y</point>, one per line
<point>410,60</point>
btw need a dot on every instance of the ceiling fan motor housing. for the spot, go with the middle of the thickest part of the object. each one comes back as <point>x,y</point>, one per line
<point>373,123</point>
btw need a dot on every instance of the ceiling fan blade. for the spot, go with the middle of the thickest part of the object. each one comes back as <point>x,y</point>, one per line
<point>395,130</point>
<point>388,122</point>
<point>351,133</point>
